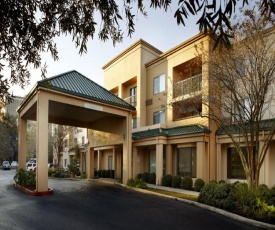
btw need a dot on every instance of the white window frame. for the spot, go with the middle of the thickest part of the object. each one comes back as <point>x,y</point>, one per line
<point>159,84</point>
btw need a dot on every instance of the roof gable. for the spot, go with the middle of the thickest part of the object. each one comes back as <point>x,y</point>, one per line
<point>74,83</point>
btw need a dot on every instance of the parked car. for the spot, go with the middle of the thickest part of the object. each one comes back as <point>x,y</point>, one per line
<point>31,166</point>
<point>6,165</point>
<point>14,164</point>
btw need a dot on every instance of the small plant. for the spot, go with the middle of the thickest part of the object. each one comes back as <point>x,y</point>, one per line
<point>187,182</point>
<point>26,179</point>
<point>139,176</point>
<point>199,183</point>
<point>166,180</point>
<point>145,176</point>
<point>83,176</point>
<point>73,166</point>
<point>152,178</point>
<point>99,173</point>
<point>176,180</point>
<point>138,183</point>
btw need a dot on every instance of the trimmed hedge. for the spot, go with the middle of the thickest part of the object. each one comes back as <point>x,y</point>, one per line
<point>166,180</point>
<point>176,181</point>
<point>152,178</point>
<point>199,183</point>
<point>145,176</point>
<point>187,182</point>
<point>139,176</point>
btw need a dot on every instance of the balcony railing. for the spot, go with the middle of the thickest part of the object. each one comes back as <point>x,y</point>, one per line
<point>131,100</point>
<point>187,86</point>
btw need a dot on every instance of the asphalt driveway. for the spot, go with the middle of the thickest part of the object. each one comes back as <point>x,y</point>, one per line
<point>83,204</point>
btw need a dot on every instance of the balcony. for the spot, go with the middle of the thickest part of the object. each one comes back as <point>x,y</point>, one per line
<point>132,100</point>
<point>187,86</point>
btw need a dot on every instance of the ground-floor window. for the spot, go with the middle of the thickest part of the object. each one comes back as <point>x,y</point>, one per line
<point>235,168</point>
<point>187,161</point>
<point>65,163</point>
<point>152,161</point>
<point>110,162</point>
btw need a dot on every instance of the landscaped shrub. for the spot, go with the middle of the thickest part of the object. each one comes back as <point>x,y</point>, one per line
<point>83,176</point>
<point>107,173</point>
<point>138,183</point>
<point>213,181</point>
<point>26,179</point>
<point>176,180</point>
<point>103,173</point>
<point>271,199</point>
<point>51,172</point>
<point>145,176</point>
<point>187,182</point>
<point>166,180</point>
<point>99,173</point>
<point>139,176</point>
<point>218,195</point>
<point>96,173</point>
<point>222,181</point>
<point>152,178</point>
<point>263,192</point>
<point>112,174</point>
<point>199,183</point>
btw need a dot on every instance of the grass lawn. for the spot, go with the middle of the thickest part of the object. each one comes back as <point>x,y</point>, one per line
<point>174,194</point>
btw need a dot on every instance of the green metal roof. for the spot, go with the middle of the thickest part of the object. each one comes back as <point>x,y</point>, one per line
<point>265,125</point>
<point>74,83</point>
<point>176,131</point>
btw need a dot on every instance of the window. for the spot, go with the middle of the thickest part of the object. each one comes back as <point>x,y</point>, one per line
<point>110,162</point>
<point>83,140</point>
<point>159,84</point>
<point>235,168</point>
<point>75,141</point>
<point>159,117</point>
<point>133,93</point>
<point>187,161</point>
<point>134,122</point>
<point>152,161</point>
<point>65,163</point>
<point>65,143</point>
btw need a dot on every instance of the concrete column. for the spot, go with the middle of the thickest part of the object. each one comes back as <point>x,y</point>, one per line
<point>219,162</point>
<point>159,163</point>
<point>42,143</point>
<point>90,163</point>
<point>264,171</point>
<point>98,160</point>
<point>113,158</point>
<point>22,143</point>
<point>169,160</point>
<point>135,162</point>
<point>201,162</point>
<point>127,151</point>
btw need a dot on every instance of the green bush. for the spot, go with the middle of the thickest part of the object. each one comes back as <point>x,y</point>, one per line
<point>199,183</point>
<point>166,180</point>
<point>112,174</point>
<point>271,198</point>
<point>51,172</point>
<point>139,176</point>
<point>96,173</point>
<point>103,173</point>
<point>176,181</point>
<point>26,179</point>
<point>138,183</point>
<point>145,176</point>
<point>83,176</point>
<point>99,173</point>
<point>152,178</point>
<point>222,181</point>
<point>213,181</point>
<point>187,182</point>
<point>107,173</point>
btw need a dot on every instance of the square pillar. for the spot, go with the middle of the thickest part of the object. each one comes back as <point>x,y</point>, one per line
<point>219,162</point>
<point>159,163</point>
<point>98,160</point>
<point>127,151</point>
<point>135,162</point>
<point>22,143</point>
<point>90,163</point>
<point>169,160</point>
<point>42,143</point>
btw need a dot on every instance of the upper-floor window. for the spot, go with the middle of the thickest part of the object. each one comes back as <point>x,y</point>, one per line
<point>133,93</point>
<point>134,122</point>
<point>159,84</point>
<point>159,117</point>
<point>83,140</point>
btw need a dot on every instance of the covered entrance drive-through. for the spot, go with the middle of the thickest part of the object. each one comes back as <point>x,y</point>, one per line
<point>71,99</point>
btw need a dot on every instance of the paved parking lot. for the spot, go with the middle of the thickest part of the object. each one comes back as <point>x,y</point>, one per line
<point>82,204</point>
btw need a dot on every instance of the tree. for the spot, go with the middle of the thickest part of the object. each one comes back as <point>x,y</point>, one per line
<point>59,135</point>
<point>240,99</point>
<point>8,137</point>
<point>28,28</point>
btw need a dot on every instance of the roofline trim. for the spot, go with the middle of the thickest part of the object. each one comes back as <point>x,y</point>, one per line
<point>127,50</point>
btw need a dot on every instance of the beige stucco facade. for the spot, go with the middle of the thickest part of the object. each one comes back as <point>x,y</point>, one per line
<point>155,142</point>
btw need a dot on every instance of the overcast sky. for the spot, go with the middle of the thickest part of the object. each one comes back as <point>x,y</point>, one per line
<point>159,29</point>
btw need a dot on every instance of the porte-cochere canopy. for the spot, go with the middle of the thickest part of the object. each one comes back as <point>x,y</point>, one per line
<point>74,100</point>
